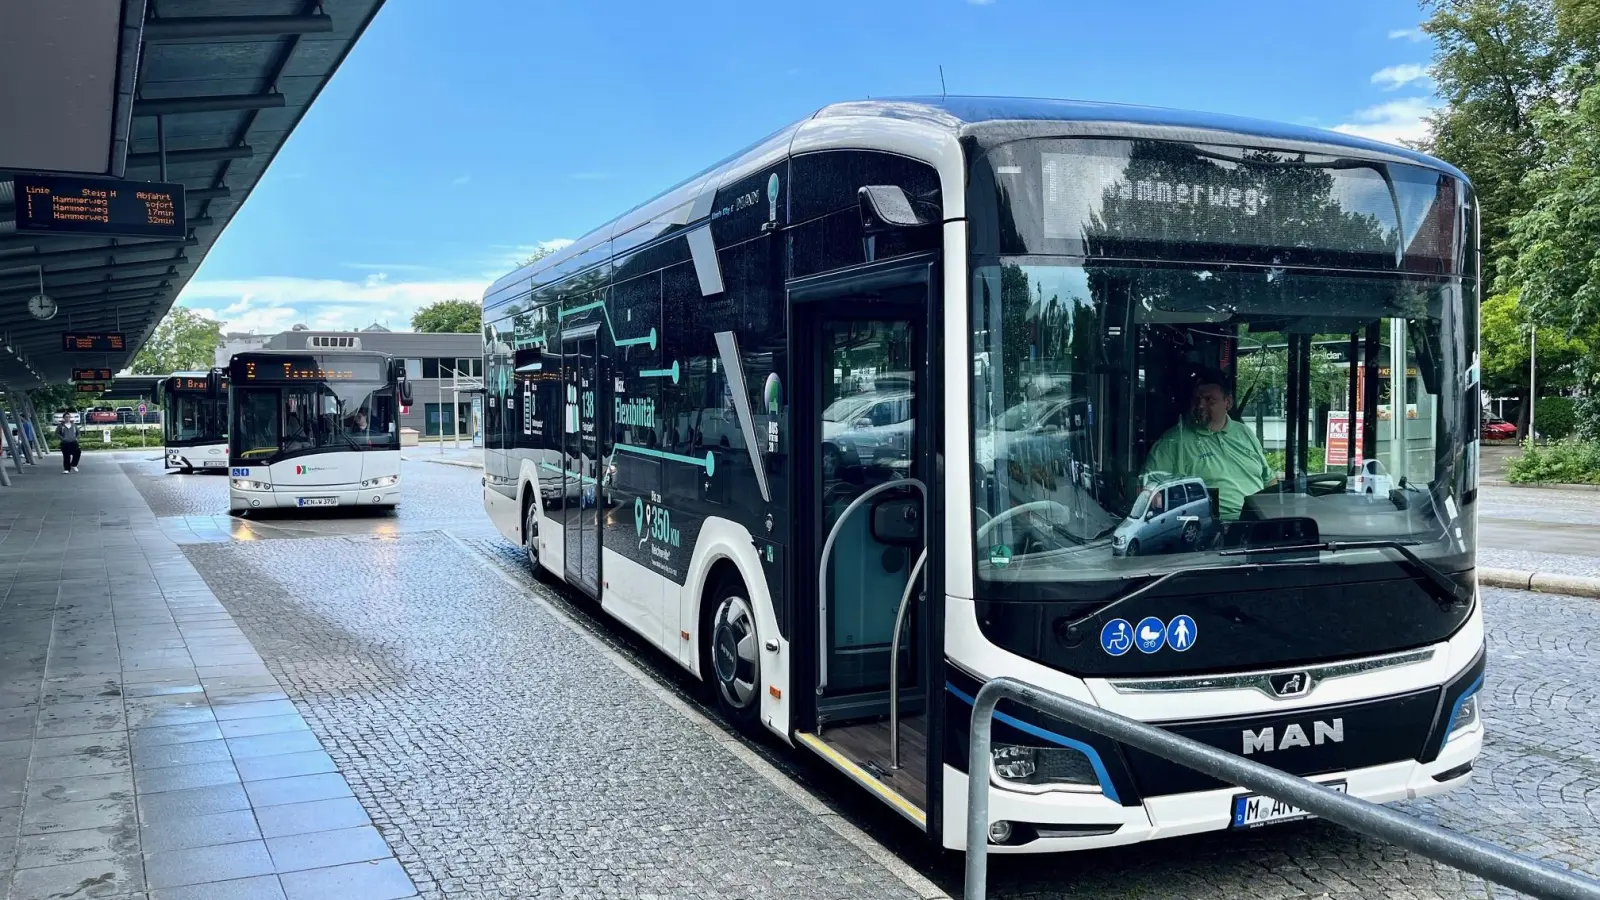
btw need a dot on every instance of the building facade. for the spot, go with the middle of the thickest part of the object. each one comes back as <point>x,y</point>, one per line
<point>445,370</point>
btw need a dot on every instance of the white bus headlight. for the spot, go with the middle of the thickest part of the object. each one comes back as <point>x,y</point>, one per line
<point>1043,767</point>
<point>245,484</point>
<point>381,481</point>
<point>1466,718</point>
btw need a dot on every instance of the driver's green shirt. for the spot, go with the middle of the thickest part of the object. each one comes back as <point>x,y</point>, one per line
<point>1229,460</point>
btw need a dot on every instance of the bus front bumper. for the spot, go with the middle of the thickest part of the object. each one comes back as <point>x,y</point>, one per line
<point>315,497</point>
<point>1059,821</point>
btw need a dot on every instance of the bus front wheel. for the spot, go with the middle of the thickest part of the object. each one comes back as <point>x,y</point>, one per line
<point>530,536</point>
<point>734,650</point>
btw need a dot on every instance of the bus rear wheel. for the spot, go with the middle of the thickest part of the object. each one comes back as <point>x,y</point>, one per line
<point>734,650</point>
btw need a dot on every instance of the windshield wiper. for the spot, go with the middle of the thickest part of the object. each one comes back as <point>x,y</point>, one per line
<point>1436,576</point>
<point>1145,588</point>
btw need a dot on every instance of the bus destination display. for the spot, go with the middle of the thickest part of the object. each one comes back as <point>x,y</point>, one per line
<point>92,374</point>
<point>189,384</point>
<point>65,205</point>
<point>312,369</point>
<point>93,342</point>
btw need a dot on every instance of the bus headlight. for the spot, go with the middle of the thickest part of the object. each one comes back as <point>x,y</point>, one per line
<point>1466,718</point>
<point>1043,768</point>
<point>381,481</point>
<point>245,484</point>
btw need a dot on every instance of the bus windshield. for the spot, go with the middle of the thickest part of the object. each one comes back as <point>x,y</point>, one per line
<point>193,417</point>
<point>1149,393</point>
<point>272,422</point>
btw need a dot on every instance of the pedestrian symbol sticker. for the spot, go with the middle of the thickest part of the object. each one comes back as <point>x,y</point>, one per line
<point>1150,634</point>
<point>1180,633</point>
<point>1116,638</point>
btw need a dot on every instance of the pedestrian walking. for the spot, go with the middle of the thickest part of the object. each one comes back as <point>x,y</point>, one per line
<point>67,431</point>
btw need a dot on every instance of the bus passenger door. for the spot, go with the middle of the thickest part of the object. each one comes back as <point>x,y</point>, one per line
<point>864,449</point>
<point>581,384</point>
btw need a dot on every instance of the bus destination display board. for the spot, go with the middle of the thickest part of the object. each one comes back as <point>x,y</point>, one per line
<point>313,369</point>
<point>93,342</point>
<point>186,383</point>
<point>64,205</point>
<point>92,375</point>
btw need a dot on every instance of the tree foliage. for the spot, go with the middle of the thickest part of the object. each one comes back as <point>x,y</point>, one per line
<point>540,253</point>
<point>184,341</point>
<point>451,316</point>
<point>53,398</point>
<point>1496,62</point>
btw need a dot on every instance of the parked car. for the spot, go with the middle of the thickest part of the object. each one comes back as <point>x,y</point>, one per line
<point>1498,430</point>
<point>1174,516</point>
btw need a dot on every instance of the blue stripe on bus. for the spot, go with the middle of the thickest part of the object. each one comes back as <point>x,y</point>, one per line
<point>1088,751</point>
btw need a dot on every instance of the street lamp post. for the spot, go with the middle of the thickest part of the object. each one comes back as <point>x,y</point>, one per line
<point>1533,394</point>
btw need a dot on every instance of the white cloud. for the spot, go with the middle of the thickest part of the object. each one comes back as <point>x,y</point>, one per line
<point>1414,35</point>
<point>1394,121</point>
<point>1395,77</point>
<point>389,267</point>
<point>510,256</point>
<point>274,303</point>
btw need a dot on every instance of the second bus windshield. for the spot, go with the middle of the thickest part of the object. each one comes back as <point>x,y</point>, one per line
<point>319,417</point>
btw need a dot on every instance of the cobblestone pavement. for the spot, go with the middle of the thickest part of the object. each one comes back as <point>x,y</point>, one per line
<point>478,733</point>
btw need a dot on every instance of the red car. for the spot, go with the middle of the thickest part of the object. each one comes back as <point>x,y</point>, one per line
<point>1498,430</point>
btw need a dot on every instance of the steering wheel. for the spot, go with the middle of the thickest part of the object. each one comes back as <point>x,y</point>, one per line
<point>1033,506</point>
<point>1334,482</point>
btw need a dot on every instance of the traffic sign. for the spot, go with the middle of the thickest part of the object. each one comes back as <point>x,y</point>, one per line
<point>143,407</point>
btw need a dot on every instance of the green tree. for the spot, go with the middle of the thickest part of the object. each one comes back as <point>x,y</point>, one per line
<point>449,316</point>
<point>1495,63</point>
<point>1562,357</point>
<point>54,398</point>
<point>184,341</point>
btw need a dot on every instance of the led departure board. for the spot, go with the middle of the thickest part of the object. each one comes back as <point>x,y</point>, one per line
<point>92,375</point>
<point>311,369</point>
<point>93,342</point>
<point>88,388</point>
<point>65,205</point>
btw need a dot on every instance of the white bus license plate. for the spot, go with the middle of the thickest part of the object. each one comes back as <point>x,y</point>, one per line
<point>213,463</point>
<point>1255,810</point>
<point>319,501</point>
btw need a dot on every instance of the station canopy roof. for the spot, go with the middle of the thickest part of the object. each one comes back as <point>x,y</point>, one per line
<point>227,81</point>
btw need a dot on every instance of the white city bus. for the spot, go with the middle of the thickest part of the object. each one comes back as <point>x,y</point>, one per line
<point>862,417</point>
<point>314,429</point>
<point>194,421</point>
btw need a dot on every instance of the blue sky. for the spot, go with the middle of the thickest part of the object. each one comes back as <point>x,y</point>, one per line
<point>459,135</point>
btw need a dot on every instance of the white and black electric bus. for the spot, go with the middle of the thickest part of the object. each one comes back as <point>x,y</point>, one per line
<point>315,428</point>
<point>194,421</point>
<point>905,365</point>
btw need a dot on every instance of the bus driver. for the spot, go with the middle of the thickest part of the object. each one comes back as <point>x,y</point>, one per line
<point>1213,447</point>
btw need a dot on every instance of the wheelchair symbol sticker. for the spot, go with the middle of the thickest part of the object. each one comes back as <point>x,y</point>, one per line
<point>1116,638</point>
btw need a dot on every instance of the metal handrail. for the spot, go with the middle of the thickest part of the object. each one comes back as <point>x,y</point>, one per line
<point>894,662</point>
<point>1469,854</point>
<point>827,551</point>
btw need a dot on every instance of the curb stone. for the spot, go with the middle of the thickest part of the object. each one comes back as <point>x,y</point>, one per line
<point>1545,583</point>
<point>1543,485</point>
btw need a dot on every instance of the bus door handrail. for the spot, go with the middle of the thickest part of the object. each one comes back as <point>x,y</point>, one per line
<point>894,661</point>
<point>827,552</point>
<point>1469,854</point>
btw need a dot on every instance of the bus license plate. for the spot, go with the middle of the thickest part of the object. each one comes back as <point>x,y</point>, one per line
<point>213,463</point>
<point>1255,810</point>
<point>319,501</point>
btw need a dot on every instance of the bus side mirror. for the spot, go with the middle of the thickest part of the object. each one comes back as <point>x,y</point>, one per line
<point>887,206</point>
<point>405,393</point>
